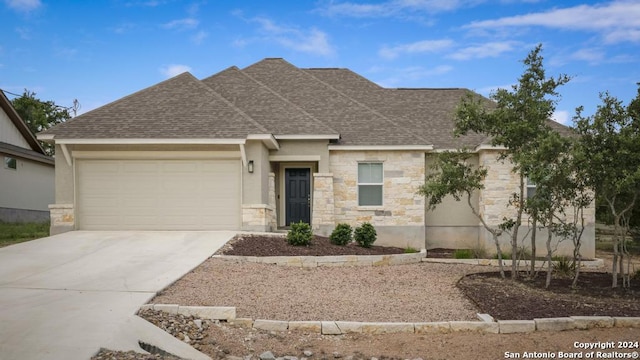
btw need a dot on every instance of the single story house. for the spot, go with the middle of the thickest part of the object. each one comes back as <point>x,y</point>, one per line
<point>261,147</point>
<point>26,173</point>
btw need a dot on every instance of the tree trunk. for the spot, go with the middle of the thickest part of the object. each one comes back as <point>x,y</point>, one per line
<point>533,247</point>
<point>549,253</point>
<point>516,227</point>
<point>616,243</point>
<point>494,233</point>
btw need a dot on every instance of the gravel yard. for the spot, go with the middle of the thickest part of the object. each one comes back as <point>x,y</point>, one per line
<point>407,293</point>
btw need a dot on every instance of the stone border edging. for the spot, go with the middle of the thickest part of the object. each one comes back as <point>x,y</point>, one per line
<point>590,264</point>
<point>486,324</point>
<point>227,313</point>
<point>338,260</point>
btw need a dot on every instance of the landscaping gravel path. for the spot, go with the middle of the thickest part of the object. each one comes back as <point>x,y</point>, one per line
<point>405,293</point>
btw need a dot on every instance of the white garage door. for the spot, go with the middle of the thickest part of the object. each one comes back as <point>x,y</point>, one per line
<point>158,194</point>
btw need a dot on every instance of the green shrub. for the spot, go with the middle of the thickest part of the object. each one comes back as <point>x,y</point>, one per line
<point>463,254</point>
<point>365,235</point>
<point>341,235</point>
<point>564,266</point>
<point>300,234</point>
<point>410,250</point>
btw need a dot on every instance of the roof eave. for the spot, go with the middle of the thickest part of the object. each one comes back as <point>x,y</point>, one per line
<point>267,139</point>
<point>308,137</point>
<point>147,141</point>
<point>382,147</point>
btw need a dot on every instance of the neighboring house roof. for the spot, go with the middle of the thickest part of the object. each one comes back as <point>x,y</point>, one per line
<point>17,121</point>
<point>17,151</point>
<point>275,97</point>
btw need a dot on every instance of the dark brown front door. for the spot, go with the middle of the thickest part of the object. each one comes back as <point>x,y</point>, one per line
<point>298,196</point>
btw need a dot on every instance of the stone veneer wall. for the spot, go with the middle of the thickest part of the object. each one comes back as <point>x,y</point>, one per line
<point>257,217</point>
<point>273,219</point>
<point>400,221</point>
<point>62,218</point>
<point>323,211</point>
<point>500,184</point>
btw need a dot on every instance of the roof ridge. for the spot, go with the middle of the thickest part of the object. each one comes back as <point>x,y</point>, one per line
<point>369,109</point>
<point>235,108</point>
<point>279,96</point>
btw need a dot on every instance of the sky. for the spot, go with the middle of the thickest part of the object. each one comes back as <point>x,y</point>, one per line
<point>99,51</point>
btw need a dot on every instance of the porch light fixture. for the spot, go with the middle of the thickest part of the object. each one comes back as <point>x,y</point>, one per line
<point>250,167</point>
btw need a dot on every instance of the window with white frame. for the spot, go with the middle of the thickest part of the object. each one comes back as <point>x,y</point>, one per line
<point>531,189</point>
<point>370,181</point>
<point>10,163</point>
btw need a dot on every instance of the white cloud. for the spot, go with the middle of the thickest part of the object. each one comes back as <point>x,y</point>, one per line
<point>617,20</point>
<point>23,5</point>
<point>174,69</point>
<point>416,47</point>
<point>312,41</point>
<point>391,8</point>
<point>492,49</point>
<point>199,37</point>
<point>488,90</point>
<point>411,75</point>
<point>182,24</point>
<point>593,56</point>
<point>562,117</point>
<point>25,33</point>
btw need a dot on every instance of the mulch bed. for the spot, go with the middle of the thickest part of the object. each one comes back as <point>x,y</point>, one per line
<point>526,299</point>
<point>264,245</point>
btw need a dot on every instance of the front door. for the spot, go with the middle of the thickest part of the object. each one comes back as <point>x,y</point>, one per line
<point>298,195</point>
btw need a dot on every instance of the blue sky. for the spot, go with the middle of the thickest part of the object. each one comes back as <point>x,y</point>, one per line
<point>99,51</point>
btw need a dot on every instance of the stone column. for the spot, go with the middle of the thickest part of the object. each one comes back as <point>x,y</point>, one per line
<point>322,212</point>
<point>62,218</point>
<point>273,217</point>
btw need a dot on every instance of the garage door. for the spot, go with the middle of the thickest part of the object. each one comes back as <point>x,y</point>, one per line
<point>158,194</point>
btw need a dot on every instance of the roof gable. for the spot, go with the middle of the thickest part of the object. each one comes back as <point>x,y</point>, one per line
<point>357,123</point>
<point>265,106</point>
<point>16,122</point>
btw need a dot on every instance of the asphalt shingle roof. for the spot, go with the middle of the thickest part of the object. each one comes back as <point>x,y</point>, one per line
<point>275,97</point>
<point>267,107</point>
<point>181,107</point>
<point>357,123</point>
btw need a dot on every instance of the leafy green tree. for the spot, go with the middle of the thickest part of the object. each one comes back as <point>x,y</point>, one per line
<point>452,175</point>
<point>560,188</point>
<point>517,122</point>
<point>610,146</point>
<point>40,115</point>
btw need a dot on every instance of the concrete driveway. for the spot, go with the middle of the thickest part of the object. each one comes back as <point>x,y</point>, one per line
<point>66,296</point>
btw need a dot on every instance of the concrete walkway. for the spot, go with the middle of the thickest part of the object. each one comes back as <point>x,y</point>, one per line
<point>66,296</point>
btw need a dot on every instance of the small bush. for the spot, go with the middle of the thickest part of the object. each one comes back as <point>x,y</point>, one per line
<point>365,235</point>
<point>300,234</point>
<point>463,254</point>
<point>341,235</point>
<point>564,266</point>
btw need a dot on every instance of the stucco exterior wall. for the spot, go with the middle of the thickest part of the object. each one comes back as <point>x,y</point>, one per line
<point>28,187</point>
<point>303,151</point>
<point>452,224</point>
<point>400,221</point>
